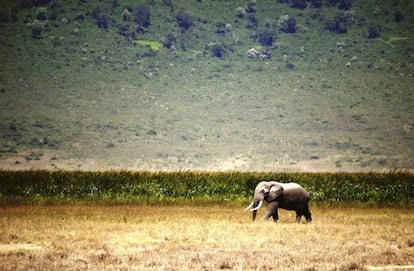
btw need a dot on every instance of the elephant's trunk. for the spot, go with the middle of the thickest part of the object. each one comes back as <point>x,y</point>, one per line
<point>256,206</point>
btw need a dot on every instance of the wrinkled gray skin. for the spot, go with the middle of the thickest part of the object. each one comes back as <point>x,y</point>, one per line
<point>288,196</point>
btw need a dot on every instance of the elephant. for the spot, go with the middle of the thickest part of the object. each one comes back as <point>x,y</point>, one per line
<point>288,196</point>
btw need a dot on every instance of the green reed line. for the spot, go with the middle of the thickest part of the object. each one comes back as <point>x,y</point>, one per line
<point>141,187</point>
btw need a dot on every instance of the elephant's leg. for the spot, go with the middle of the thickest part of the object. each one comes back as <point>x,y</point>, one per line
<point>304,211</point>
<point>298,216</point>
<point>267,215</point>
<point>272,211</point>
<point>308,214</point>
<point>308,217</point>
<point>275,216</point>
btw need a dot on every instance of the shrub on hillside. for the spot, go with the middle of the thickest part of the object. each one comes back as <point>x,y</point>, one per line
<point>345,4</point>
<point>41,14</point>
<point>218,50</point>
<point>33,3</point>
<point>4,15</point>
<point>398,16</point>
<point>142,16</point>
<point>299,4</point>
<point>342,4</point>
<point>251,6</point>
<point>266,37</point>
<point>373,32</point>
<point>184,20</point>
<point>339,24</point>
<point>37,29</point>
<point>288,25</point>
<point>168,40</point>
<point>168,3</point>
<point>316,3</point>
<point>100,18</point>
<point>103,22</point>
<point>252,23</point>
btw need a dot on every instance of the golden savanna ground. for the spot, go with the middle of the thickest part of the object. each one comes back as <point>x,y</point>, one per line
<point>203,238</point>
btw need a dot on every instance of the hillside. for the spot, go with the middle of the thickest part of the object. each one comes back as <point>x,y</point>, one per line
<point>168,85</point>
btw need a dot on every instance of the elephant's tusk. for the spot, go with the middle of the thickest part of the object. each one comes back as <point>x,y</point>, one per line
<point>250,206</point>
<point>258,206</point>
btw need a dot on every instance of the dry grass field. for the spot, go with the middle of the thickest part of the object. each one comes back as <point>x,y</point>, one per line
<point>203,238</point>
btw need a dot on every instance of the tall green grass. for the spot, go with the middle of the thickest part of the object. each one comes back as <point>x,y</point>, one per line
<point>152,188</point>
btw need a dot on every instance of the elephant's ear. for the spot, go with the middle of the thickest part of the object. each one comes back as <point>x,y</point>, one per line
<point>275,191</point>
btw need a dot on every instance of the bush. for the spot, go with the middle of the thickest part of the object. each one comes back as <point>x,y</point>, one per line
<point>316,3</point>
<point>4,15</point>
<point>142,16</point>
<point>252,22</point>
<point>33,3</point>
<point>240,12</point>
<point>299,4</point>
<point>289,26</point>
<point>168,3</point>
<point>345,4</point>
<point>339,24</point>
<point>251,6</point>
<point>266,37</point>
<point>103,22</point>
<point>217,50</point>
<point>123,30</point>
<point>184,20</point>
<point>168,41</point>
<point>373,32</point>
<point>37,29</point>
<point>96,12</point>
<point>398,16</point>
<point>41,14</point>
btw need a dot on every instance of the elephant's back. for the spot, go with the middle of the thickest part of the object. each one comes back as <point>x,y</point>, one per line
<point>291,186</point>
<point>296,192</point>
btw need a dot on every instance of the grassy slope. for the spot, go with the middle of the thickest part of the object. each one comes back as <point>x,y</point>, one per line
<point>94,100</point>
